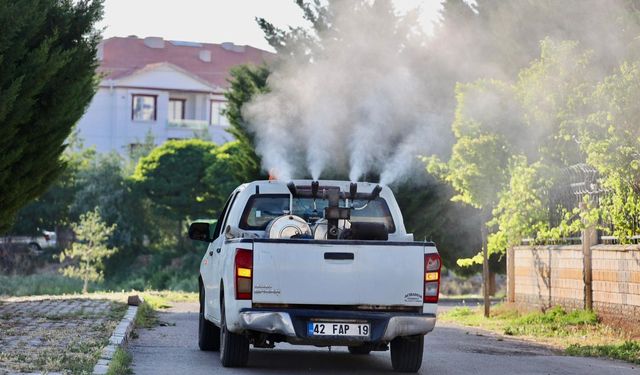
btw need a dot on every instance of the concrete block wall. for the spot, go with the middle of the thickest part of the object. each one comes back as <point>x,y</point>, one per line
<point>549,275</point>
<point>616,280</point>
<point>554,275</point>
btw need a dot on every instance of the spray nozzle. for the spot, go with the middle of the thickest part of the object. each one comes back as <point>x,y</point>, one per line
<point>315,185</point>
<point>375,193</point>
<point>294,191</point>
<point>353,190</point>
<point>292,188</point>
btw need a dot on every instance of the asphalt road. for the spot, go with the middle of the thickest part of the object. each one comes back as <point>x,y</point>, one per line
<point>172,349</point>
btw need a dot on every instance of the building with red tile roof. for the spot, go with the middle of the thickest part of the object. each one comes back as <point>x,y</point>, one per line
<point>121,57</point>
<point>168,89</point>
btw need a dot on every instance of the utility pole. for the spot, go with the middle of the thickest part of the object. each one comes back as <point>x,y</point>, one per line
<point>485,269</point>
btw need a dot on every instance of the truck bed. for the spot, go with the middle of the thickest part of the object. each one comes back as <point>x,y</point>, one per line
<point>337,273</point>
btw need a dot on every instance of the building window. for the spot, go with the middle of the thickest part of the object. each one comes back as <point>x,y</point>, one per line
<point>143,107</point>
<point>217,118</point>
<point>176,109</point>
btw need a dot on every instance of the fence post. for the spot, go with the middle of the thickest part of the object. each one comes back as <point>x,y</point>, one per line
<point>588,239</point>
<point>511,275</point>
<point>485,271</point>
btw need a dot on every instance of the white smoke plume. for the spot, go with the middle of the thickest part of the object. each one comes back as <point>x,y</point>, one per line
<point>355,109</point>
<point>378,92</point>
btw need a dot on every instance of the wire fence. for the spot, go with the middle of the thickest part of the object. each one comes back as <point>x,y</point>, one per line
<point>572,185</point>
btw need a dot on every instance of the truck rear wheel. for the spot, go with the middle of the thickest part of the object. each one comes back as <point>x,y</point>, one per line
<point>208,333</point>
<point>406,353</point>
<point>234,348</point>
<point>360,350</point>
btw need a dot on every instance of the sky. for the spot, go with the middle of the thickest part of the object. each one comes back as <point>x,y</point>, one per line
<point>217,21</point>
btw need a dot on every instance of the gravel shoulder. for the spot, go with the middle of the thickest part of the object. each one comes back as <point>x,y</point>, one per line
<point>172,348</point>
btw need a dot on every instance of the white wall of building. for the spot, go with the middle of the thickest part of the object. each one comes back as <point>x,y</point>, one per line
<point>108,125</point>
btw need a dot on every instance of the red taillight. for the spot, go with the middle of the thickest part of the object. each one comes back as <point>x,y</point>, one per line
<point>432,265</point>
<point>244,273</point>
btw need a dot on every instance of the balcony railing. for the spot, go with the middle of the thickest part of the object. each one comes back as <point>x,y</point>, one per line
<point>188,124</point>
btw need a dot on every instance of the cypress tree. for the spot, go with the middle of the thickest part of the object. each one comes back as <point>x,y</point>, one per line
<point>48,57</point>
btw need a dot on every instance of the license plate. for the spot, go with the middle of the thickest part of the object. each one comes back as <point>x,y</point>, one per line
<point>338,329</point>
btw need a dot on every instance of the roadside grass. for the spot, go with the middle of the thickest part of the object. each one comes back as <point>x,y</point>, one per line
<point>627,351</point>
<point>147,316</point>
<point>45,284</point>
<point>577,332</point>
<point>169,296</point>
<point>52,283</point>
<point>120,363</point>
<point>161,299</point>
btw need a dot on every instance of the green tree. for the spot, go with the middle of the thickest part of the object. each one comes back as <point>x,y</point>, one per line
<point>500,128</point>
<point>141,150</point>
<point>52,210</point>
<point>610,137</point>
<point>89,250</point>
<point>512,139</point>
<point>172,176</point>
<point>246,82</point>
<point>477,169</point>
<point>300,42</point>
<point>499,38</point>
<point>103,183</point>
<point>478,166</point>
<point>430,214</point>
<point>48,61</point>
<point>229,167</point>
<point>523,208</point>
<point>91,180</point>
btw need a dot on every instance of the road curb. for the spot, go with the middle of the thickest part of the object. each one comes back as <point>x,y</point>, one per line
<point>119,338</point>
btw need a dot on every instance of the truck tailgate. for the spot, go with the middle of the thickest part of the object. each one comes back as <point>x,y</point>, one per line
<point>338,273</point>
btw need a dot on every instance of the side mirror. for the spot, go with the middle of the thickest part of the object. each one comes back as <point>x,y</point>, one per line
<point>200,231</point>
<point>229,233</point>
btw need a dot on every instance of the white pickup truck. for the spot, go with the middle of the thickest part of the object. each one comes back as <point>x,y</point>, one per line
<point>324,263</point>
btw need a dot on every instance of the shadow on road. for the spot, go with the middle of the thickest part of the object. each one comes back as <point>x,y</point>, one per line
<point>318,361</point>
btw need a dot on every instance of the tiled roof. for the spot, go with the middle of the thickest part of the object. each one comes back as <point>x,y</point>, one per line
<point>121,57</point>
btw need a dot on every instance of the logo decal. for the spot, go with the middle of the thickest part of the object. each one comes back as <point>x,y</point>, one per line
<point>265,289</point>
<point>413,297</point>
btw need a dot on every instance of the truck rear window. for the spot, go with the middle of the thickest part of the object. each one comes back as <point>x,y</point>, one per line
<point>263,208</point>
